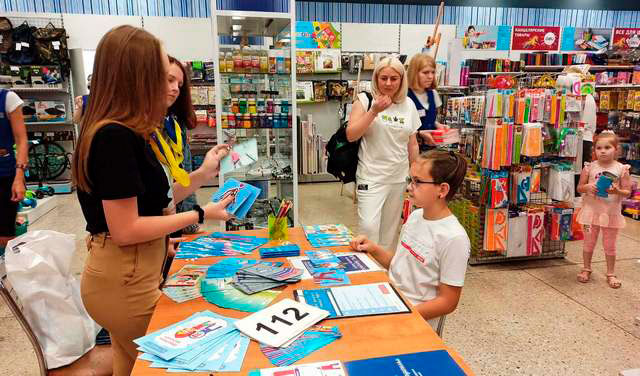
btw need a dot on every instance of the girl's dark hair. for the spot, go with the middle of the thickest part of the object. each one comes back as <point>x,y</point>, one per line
<point>182,108</point>
<point>470,27</point>
<point>447,167</point>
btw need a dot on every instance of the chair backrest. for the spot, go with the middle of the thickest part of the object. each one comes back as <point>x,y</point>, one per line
<point>10,297</point>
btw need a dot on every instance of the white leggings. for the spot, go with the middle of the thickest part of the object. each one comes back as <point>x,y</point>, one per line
<point>379,210</point>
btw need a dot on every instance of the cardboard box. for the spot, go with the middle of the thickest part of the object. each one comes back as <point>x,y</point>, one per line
<point>51,111</point>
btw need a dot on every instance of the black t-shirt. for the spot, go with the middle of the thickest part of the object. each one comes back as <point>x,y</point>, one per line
<point>122,165</point>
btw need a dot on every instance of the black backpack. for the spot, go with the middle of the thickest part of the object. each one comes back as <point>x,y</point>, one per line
<point>23,49</point>
<point>342,154</point>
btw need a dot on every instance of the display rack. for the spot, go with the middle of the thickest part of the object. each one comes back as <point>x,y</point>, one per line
<point>513,178</point>
<point>264,38</point>
<point>44,165</point>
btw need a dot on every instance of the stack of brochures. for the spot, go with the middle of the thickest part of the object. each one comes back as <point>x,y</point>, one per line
<point>204,342</point>
<point>327,269</point>
<point>280,251</point>
<point>259,277</point>
<point>185,284</point>
<point>328,235</point>
<point>219,244</point>
<point>329,368</point>
<point>311,340</point>
<point>217,286</point>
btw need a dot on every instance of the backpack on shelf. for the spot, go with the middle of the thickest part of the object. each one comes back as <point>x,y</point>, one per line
<point>51,44</point>
<point>23,46</point>
<point>342,154</point>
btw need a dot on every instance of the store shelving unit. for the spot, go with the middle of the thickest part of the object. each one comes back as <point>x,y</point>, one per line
<point>64,133</point>
<point>277,140</point>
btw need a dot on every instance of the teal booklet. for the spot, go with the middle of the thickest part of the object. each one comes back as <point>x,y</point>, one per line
<point>245,195</point>
<point>432,363</point>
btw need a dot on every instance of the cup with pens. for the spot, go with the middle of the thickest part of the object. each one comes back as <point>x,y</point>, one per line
<point>278,222</point>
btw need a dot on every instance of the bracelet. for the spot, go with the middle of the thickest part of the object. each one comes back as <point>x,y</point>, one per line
<point>22,166</point>
<point>200,213</point>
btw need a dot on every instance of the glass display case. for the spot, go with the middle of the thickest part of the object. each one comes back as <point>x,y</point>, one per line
<point>255,106</point>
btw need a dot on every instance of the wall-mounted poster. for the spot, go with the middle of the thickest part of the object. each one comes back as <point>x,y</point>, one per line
<point>314,34</point>
<point>536,38</point>
<point>585,39</point>
<point>626,37</point>
<point>485,37</point>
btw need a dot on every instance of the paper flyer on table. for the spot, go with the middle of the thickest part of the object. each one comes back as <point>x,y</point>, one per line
<point>329,368</point>
<point>181,337</point>
<point>354,262</point>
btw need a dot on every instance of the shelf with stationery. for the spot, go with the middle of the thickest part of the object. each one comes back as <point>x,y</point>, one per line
<point>254,99</point>
<point>517,199</point>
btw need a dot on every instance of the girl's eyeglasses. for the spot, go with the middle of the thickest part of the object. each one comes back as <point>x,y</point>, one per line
<point>410,180</point>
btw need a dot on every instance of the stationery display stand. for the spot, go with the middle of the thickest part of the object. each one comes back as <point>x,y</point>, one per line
<point>254,80</point>
<point>524,147</point>
<point>47,94</point>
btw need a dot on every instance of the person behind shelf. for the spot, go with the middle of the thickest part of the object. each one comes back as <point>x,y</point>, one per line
<point>588,117</point>
<point>12,164</point>
<point>430,261</point>
<point>124,190</point>
<point>388,143</point>
<point>180,114</point>
<point>602,214</point>
<point>422,91</point>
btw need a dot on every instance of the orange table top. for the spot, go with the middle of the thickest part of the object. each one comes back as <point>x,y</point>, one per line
<point>362,337</point>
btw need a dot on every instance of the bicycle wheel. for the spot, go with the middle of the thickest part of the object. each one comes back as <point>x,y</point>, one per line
<point>48,160</point>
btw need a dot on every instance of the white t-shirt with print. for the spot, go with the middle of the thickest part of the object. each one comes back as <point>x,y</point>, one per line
<point>429,253</point>
<point>384,154</point>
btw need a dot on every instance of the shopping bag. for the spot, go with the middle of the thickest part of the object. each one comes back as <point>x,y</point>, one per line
<point>38,267</point>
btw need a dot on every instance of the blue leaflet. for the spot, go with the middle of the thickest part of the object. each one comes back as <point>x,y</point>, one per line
<point>311,340</point>
<point>245,196</point>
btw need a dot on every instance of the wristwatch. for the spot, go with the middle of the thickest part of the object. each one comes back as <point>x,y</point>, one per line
<point>200,213</point>
<point>22,166</point>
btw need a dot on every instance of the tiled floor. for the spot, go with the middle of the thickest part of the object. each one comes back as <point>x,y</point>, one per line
<point>525,318</point>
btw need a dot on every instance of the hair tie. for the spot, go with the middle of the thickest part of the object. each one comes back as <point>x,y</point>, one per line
<point>608,131</point>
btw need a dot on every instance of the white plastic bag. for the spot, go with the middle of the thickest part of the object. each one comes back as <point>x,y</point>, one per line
<point>38,267</point>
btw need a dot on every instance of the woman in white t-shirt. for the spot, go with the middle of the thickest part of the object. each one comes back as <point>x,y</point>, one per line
<point>388,133</point>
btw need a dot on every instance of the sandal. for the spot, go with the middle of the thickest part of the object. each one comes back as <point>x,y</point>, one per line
<point>585,275</point>
<point>613,281</point>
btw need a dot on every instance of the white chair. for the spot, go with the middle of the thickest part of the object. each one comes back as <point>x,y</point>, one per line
<point>97,362</point>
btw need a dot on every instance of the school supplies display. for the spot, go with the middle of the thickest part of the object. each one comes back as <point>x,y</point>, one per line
<point>432,363</point>
<point>244,196</point>
<point>353,262</point>
<point>203,342</point>
<point>279,324</point>
<point>185,284</point>
<point>328,235</point>
<point>330,368</point>
<point>259,277</point>
<point>311,340</point>
<point>280,251</point>
<point>219,244</point>
<point>356,300</point>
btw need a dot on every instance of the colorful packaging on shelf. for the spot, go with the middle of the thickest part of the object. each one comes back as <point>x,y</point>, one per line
<point>536,177</point>
<point>517,240</point>
<point>521,184</point>
<point>561,224</point>
<point>535,231</point>
<point>561,183</point>
<point>532,140</point>
<point>496,230</point>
